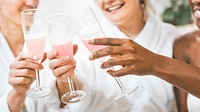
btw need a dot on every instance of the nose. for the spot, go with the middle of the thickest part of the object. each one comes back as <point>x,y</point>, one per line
<point>109,1</point>
<point>32,3</point>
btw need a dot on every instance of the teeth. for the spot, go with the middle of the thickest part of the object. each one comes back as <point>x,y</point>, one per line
<point>114,7</point>
<point>197,13</point>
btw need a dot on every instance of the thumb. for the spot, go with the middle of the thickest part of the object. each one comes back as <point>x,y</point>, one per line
<point>75,49</point>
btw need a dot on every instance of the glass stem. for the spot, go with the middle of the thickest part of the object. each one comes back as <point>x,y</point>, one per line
<point>71,85</point>
<point>38,79</point>
<point>119,82</point>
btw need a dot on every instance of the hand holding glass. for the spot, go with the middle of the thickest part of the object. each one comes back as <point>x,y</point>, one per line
<point>61,36</point>
<point>35,33</point>
<point>88,28</point>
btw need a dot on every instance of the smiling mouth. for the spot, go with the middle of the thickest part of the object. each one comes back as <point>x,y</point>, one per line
<point>197,13</point>
<point>114,8</point>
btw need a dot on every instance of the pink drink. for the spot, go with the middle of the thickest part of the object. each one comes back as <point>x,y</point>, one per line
<point>36,45</point>
<point>64,49</point>
<point>93,48</point>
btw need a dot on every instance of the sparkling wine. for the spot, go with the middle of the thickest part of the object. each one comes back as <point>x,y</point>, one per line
<point>64,48</point>
<point>36,45</point>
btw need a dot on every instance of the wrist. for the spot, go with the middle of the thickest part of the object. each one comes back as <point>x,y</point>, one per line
<point>62,86</point>
<point>15,93</point>
<point>157,65</point>
<point>15,100</point>
<point>160,66</point>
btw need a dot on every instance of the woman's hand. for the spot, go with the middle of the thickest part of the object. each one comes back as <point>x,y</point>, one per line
<point>133,58</point>
<point>22,72</point>
<point>62,67</point>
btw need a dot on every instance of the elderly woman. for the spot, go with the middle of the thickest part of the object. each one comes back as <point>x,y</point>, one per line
<point>18,68</point>
<point>136,22</point>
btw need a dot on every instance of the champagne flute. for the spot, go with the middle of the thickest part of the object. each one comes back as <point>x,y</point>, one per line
<point>35,32</point>
<point>61,36</point>
<point>88,27</point>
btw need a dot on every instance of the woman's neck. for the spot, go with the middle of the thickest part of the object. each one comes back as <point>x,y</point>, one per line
<point>13,35</point>
<point>132,30</point>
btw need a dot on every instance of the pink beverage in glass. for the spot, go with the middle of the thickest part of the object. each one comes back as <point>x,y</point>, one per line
<point>36,45</point>
<point>64,49</point>
<point>93,48</point>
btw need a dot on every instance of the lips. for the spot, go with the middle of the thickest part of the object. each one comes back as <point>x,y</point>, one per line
<point>114,7</point>
<point>196,10</point>
<point>197,13</point>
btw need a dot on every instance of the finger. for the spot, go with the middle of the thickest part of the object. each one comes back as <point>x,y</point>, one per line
<point>26,64</point>
<point>75,49</point>
<point>63,69</point>
<point>72,61</point>
<point>118,73</point>
<point>65,75</point>
<point>117,61</point>
<point>113,50</point>
<point>54,63</point>
<point>52,54</point>
<point>19,80</point>
<point>26,56</point>
<point>108,41</point>
<point>22,73</point>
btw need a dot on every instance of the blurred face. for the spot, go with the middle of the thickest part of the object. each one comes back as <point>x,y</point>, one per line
<point>120,12</point>
<point>10,9</point>
<point>195,4</point>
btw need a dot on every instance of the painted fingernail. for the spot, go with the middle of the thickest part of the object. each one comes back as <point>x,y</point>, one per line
<point>91,41</point>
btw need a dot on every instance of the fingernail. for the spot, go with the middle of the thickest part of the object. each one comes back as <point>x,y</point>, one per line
<point>91,41</point>
<point>91,57</point>
<point>73,62</point>
<point>101,66</point>
<point>54,53</point>
<point>108,72</point>
<point>66,58</point>
<point>35,58</point>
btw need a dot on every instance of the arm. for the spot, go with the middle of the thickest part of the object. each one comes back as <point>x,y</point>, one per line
<point>181,99</point>
<point>178,73</point>
<point>180,52</point>
<point>137,60</point>
<point>16,101</point>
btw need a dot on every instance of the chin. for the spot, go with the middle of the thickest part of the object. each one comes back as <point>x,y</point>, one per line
<point>117,20</point>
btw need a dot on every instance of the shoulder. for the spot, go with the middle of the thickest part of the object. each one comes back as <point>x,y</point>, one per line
<point>187,39</point>
<point>182,45</point>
